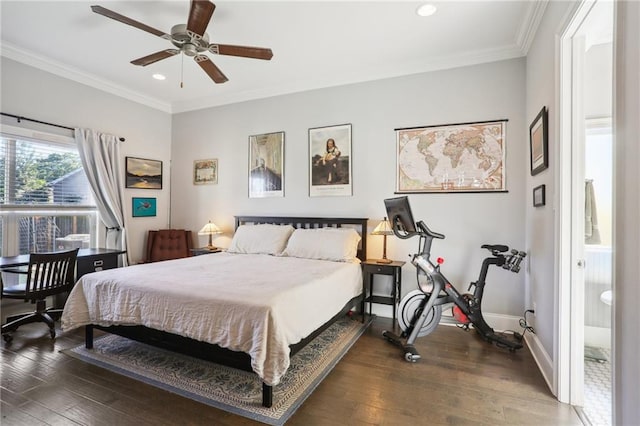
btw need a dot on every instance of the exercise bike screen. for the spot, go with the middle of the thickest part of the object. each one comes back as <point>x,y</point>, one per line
<point>399,212</point>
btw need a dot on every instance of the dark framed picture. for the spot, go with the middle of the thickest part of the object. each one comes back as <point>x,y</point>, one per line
<point>539,142</point>
<point>143,207</point>
<point>539,196</point>
<point>205,172</point>
<point>141,173</point>
<point>266,165</point>
<point>330,161</point>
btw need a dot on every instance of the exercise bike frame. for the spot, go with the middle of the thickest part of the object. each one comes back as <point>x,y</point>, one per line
<point>440,292</point>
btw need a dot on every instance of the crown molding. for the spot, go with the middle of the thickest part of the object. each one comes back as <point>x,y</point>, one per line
<point>11,51</point>
<point>530,24</point>
<point>413,68</point>
<point>417,67</point>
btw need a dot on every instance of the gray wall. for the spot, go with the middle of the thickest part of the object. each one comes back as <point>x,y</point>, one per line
<point>540,224</point>
<point>483,92</point>
<point>37,94</point>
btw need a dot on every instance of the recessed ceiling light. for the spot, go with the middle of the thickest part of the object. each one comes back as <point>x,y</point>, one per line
<point>426,9</point>
<point>159,77</point>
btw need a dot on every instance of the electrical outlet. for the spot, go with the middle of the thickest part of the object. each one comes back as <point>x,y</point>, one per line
<point>535,309</point>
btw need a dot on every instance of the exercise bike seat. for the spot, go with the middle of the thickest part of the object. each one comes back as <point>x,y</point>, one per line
<point>499,248</point>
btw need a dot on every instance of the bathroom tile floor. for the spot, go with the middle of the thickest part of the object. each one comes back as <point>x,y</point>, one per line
<point>597,386</point>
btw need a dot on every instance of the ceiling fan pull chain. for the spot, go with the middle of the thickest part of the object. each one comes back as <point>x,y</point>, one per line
<point>181,69</point>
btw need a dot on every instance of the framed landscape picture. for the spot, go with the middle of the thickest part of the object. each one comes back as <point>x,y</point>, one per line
<point>330,161</point>
<point>464,157</point>
<point>205,172</point>
<point>141,173</point>
<point>143,207</point>
<point>266,165</point>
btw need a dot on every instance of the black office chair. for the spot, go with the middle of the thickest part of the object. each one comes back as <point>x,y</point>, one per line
<point>47,274</point>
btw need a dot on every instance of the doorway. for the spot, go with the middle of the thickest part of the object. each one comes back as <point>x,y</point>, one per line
<point>586,179</point>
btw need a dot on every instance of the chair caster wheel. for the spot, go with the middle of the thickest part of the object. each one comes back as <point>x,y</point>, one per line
<point>7,338</point>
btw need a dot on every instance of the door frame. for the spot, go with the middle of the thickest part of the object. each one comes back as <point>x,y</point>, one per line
<point>569,356</point>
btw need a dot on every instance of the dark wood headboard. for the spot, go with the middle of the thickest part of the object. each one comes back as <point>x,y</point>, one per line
<point>314,222</point>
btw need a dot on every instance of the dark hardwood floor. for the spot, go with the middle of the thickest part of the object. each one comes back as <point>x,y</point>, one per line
<point>460,380</point>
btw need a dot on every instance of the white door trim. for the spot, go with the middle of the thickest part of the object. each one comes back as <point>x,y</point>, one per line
<point>569,328</point>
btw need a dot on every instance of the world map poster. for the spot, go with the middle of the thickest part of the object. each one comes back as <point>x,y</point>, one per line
<point>467,157</point>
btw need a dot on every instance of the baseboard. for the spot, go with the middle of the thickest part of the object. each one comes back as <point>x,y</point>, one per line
<point>542,358</point>
<point>498,322</point>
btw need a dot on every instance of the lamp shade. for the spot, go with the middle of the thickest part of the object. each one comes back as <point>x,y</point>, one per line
<point>383,228</point>
<point>210,229</point>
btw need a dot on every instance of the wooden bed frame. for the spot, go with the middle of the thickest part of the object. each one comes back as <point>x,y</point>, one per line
<point>217,354</point>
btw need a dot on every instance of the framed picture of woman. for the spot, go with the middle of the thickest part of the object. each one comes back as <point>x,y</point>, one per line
<point>330,161</point>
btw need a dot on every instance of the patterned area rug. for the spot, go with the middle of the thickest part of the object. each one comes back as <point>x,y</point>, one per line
<point>228,389</point>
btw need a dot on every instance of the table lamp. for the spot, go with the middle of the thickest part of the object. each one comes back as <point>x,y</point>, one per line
<point>210,229</point>
<point>384,229</point>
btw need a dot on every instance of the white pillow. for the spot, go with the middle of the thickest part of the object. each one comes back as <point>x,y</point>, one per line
<point>260,239</point>
<point>337,244</point>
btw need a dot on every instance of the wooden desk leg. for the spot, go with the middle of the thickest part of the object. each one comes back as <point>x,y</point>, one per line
<point>394,292</point>
<point>398,289</point>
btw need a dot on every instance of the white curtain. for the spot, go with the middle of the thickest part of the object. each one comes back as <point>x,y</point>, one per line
<point>100,155</point>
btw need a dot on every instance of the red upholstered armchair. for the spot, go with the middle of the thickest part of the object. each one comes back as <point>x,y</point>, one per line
<point>166,244</point>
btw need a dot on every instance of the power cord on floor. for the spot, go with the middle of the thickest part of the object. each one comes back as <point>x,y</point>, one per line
<point>525,325</point>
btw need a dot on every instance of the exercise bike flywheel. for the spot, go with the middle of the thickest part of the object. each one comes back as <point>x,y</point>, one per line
<point>410,308</point>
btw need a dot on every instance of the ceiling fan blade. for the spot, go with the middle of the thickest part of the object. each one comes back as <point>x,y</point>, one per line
<point>121,18</point>
<point>243,51</point>
<point>210,68</point>
<point>199,17</point>
<point>155,57</point>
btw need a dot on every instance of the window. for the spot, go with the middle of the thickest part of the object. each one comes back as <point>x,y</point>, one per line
<point>599,168</point>
<point>45,198</point>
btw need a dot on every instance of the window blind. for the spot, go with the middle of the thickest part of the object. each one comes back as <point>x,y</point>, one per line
<point>42,173</point>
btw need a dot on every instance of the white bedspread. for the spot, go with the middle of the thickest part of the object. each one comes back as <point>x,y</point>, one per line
<point>257,304</point>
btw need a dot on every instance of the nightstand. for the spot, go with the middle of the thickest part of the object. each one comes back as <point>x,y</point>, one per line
<point>370,268</point>
<point>204,250</point>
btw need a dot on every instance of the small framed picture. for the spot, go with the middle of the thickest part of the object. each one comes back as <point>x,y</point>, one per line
<point>266,165</point>
<point>330,161</point>
<point>539,196</point>
<point>143,174</point>
<point>205,172</point>
<point>143,207</point>
<point>539,142</point>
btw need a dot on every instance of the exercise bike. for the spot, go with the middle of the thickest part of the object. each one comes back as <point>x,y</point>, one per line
<point>420,310</point>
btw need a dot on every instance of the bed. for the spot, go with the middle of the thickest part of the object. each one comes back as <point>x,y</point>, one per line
<point>281,283</point>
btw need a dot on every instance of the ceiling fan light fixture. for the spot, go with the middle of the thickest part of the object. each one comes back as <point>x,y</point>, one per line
<point>158,76</point>
<point>426,9</point>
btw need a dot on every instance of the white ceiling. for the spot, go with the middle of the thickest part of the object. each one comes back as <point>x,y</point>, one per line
<point>316,44</point>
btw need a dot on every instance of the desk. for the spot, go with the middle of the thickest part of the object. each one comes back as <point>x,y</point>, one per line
<point>393,269</point>
<point>89,260</point>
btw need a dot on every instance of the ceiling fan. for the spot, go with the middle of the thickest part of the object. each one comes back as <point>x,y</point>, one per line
<point>190,39</point>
